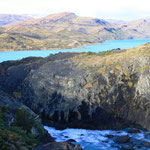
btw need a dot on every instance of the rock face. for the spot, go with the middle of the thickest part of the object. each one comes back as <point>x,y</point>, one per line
<point>95,91</point>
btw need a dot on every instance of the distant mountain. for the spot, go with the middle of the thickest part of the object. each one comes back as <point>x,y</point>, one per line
<point>115,22</point>
<point>137,29</point>
<point>61,30</point>
<point>8,18</point>
<point>67,30</point>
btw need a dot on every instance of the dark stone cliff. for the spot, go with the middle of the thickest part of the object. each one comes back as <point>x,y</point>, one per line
<point>20,127</point>
<point>109,90</point>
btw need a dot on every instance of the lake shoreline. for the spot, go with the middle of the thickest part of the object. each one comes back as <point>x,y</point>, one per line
<point>107,45</point>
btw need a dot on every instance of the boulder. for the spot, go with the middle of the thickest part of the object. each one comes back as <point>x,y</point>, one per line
<point>146,144</point>
<point>133,131</point>
<point>122,139</point>
<point>72,140</point>
<point>127,147</point>
<point>110,136</point>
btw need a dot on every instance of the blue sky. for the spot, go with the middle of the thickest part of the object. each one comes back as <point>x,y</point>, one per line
<point>110,9</point>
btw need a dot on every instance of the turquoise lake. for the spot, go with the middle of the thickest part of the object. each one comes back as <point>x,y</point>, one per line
<point>108,45</point>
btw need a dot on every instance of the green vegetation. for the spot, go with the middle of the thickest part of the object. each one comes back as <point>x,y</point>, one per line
<point>105,53</point>
<point>89,53</point>
<point>17,94</point>
<point>23,119</point>
<point>23,134</point>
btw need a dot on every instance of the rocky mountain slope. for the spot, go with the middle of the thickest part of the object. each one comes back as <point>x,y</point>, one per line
<point>139,28</point>
<point>66,30</point>
<point>109,90</point>
<point>8,18</point>
<point>115,22</point>
<point>63,30</point>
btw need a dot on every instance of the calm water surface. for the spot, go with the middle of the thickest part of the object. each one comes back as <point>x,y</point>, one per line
<point>108,45</point>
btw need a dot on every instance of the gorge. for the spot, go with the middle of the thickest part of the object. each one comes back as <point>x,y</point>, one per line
<point>106,90</point>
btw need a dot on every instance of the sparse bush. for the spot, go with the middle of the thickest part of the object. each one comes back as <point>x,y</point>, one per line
<point>23,119</point>
<point>19,134</point>
<point>89,53</point>
<point>17,94</point>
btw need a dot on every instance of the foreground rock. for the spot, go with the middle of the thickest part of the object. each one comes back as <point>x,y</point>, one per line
<point>122,139</point>
<point>59,146</point>
<point>132,130</point>
<point>146,144</point>
<point>127,147</point>
<point>92,91</point>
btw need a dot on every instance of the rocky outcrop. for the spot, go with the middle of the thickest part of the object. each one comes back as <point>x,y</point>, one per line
<point>96,91</point>
<point>20,127</point>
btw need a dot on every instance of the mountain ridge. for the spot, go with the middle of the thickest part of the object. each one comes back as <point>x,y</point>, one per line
<point>12,18</point>
<point>67,30</point>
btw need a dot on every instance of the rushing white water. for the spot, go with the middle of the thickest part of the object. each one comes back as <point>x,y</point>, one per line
<point>95,139</point>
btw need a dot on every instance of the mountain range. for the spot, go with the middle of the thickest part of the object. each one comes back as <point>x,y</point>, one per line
<point>8,18</point>
<point>67,30</point>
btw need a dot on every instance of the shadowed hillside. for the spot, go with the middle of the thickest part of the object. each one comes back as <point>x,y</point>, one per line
<point>137,29</point>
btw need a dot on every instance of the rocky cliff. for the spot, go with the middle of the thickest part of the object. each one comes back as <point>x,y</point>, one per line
<point>20,127</point>
<point>109,90</point>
